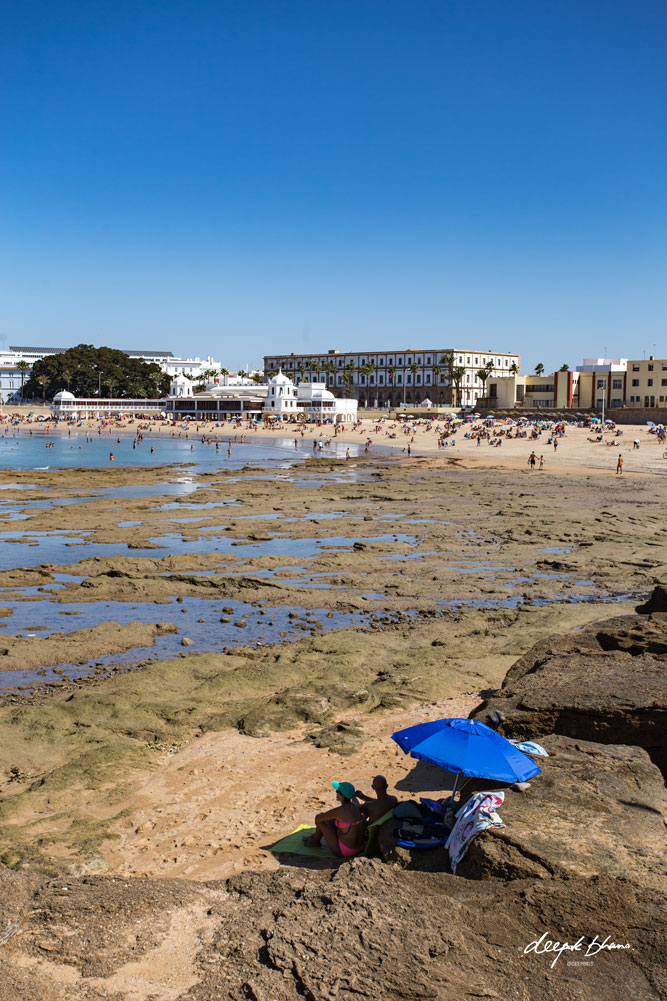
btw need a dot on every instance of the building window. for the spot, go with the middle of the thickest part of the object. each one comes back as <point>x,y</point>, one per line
<point>617,384</point>
<point>408,380</point>
<point>635,382</point>
<point>650,368</point>
<point>650,382</point>
<point>398,378</point>
<point>635,368</point>
<point>601,383</point>
<point>428,379</point>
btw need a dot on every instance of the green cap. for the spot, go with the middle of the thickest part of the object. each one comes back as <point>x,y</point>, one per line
<point>346,789</point>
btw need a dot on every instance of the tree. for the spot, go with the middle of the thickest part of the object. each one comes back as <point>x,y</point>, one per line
<point>539,368</point>
<point>564,368</point>
<point>436,372</point>
<point>457,377</point>
<point>301,369</point>
<point>88,369</point>
<point>483,374</point>
<point>43,382</point>
<point>367,370</point>
<point>514,368</point>
<point>257,378</point>
<point>23,367</point>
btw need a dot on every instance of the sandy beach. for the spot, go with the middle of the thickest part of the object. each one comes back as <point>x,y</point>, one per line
<point>206,648</point>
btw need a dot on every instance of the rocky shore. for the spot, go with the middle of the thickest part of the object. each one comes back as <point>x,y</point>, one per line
<point>135,803</point>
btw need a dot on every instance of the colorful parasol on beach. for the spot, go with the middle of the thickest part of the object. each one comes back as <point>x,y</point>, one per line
<point>466,747</point>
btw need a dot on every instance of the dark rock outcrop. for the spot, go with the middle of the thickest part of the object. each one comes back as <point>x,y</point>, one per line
<point>594,810</point>
<point>604,684</point>
<point>359,933</point>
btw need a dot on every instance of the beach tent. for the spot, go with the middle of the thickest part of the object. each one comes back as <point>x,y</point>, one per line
<point>466,747</point>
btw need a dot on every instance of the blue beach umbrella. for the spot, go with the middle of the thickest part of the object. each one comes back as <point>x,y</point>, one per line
<point>467,747</point>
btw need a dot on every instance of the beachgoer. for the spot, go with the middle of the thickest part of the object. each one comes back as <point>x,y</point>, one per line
<point>347,453</point>
<point>342,827</point>
<point>619,466</point>
<point>532,459</point>
<point>541,462</point>
<point>373,809</point>
<point>110,456</point>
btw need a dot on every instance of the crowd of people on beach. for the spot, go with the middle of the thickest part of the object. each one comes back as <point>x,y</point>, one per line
<point>410,434</point>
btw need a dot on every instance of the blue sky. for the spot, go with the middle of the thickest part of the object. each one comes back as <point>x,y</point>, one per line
<point>237,178</point>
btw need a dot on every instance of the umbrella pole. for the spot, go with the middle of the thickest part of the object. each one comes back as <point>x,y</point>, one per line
<point>456,784</point>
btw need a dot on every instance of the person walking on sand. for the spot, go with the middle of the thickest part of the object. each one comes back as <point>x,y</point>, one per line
<point>619,466</point>
<point>532,459</point>
<point>541,462</point>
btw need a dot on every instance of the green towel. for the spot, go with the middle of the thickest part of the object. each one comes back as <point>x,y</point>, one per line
<point>292,844</point>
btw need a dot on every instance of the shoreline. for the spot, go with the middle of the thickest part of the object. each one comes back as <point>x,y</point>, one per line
<point>575,454</point>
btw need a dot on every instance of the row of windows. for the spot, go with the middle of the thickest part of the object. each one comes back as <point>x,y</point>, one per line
<point>398,360</point>
<point>637,368</point>
<point>649,382</point>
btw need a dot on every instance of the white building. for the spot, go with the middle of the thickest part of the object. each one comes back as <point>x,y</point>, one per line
<point>197,368</point>
<point>181,388</point>
<point>67,406</point>
<point>310,400</point>
<point>392,377</point>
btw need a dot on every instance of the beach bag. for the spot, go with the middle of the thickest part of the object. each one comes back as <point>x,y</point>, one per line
<point>421,834</point>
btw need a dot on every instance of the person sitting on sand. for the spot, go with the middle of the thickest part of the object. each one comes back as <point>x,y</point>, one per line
<point>373,809</point>
<point>343,827</point>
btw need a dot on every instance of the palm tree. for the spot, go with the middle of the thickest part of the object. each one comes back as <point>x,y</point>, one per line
<point>539,368</point>
<point>348,378</point>
<point>330,368</point>
<point>67,375</point>
<point>564,368</point>
<point>367,370</point>
<point>301,369</point>
<point>457,376</point>
<point>256,378</point>
<point>316,366</point>
<point>514,368</point>
<point>483,374</point>
<point>23,367</point>
<point>414,368</point>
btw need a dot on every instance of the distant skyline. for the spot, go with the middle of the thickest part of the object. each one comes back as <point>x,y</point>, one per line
<point>238,180</point>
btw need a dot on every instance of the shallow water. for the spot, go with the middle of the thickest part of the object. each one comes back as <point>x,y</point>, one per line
<point>27,451</point>
<point>264,625</point>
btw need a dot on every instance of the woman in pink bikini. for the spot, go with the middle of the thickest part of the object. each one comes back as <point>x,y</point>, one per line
<point>343,827</point>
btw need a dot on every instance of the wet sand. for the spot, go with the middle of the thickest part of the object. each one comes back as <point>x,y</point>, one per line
<point>457,570</point>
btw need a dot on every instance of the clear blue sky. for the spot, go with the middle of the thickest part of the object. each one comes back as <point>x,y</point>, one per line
<point>241,177</point>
